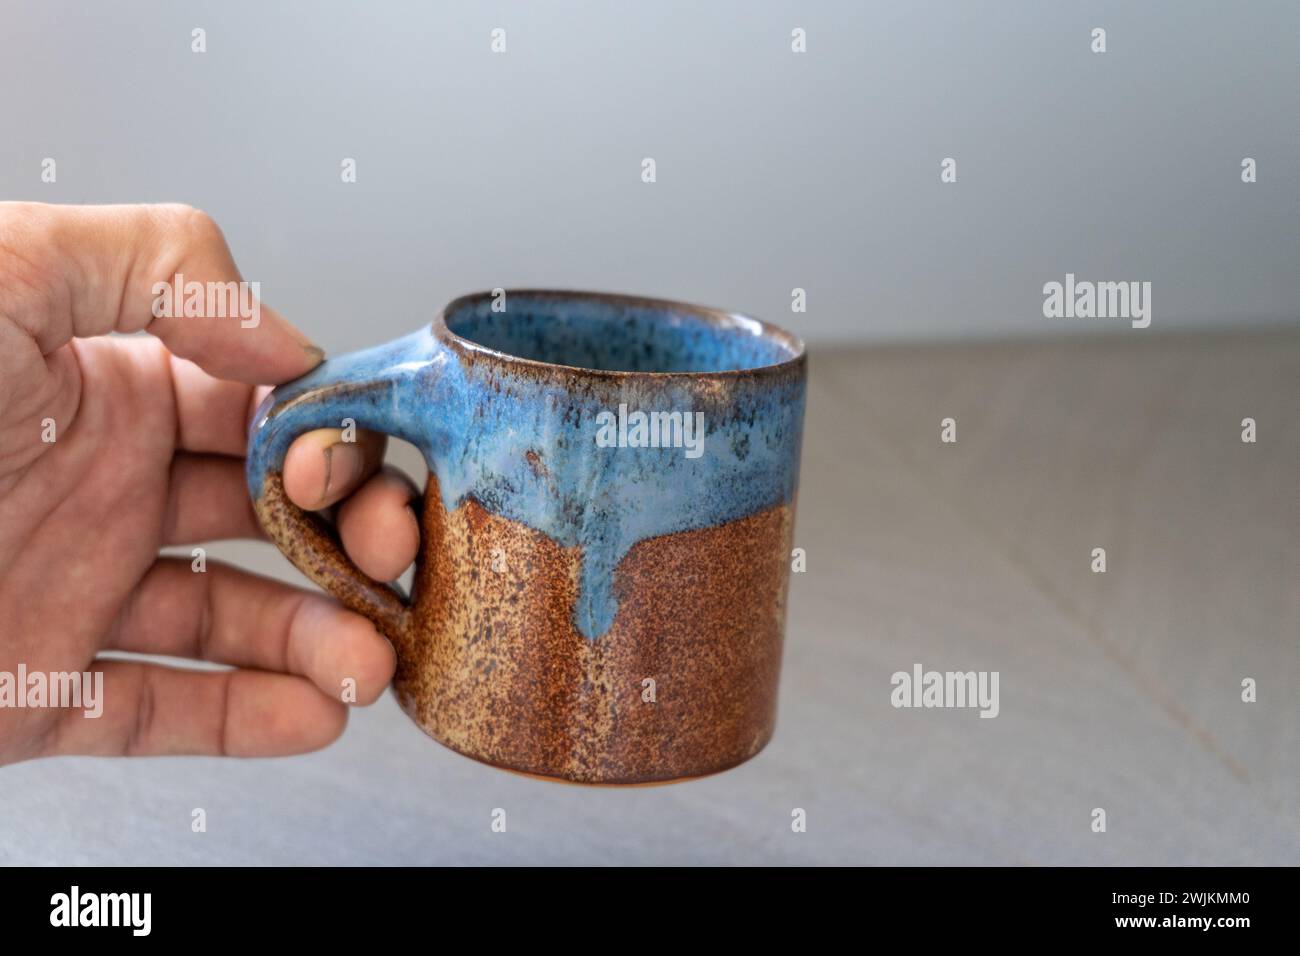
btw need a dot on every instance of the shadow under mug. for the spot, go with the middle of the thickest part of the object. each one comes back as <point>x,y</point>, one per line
<point>601,584</point>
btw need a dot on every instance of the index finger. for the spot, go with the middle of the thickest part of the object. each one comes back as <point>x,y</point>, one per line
<point>88,270</point>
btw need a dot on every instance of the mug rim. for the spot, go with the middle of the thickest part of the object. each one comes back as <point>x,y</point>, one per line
<point>718,318</point>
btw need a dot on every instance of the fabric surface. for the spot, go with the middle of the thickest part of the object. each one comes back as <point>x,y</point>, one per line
<point>1119,690</point>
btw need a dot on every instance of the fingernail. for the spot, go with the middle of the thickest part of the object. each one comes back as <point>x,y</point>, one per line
<point>343,464</point>
<point>315,353</point>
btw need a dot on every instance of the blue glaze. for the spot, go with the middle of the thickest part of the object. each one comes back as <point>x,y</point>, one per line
<point>521,439</point>
<point>629,337</point>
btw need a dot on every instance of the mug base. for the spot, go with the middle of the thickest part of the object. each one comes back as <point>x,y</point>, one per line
<point>612,782</point>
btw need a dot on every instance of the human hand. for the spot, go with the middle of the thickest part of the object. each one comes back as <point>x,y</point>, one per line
<point>148,443</point>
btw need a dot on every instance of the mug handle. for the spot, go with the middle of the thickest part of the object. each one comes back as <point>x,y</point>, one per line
<point>365,387</point>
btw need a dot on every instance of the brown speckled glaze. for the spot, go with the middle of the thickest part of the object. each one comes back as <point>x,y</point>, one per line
<point>493,667</point>
<point>671,670</point>
<point>490,665</point>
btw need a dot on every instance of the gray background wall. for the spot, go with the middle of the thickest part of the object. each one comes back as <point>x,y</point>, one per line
<point>775,170</point>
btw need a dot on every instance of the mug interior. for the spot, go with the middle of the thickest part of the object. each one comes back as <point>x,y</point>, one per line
<point>618,333</point>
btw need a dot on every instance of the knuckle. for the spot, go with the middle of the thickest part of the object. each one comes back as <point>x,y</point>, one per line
<point>189,225</point>
<point>182,238</point>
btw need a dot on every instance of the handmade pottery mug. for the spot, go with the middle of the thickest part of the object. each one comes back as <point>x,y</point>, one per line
<point>600,591</point>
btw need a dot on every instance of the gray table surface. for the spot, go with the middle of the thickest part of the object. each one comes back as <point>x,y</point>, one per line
<point>1119,690</point>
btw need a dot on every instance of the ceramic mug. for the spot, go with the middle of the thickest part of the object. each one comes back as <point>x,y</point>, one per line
<point>600,590</point>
